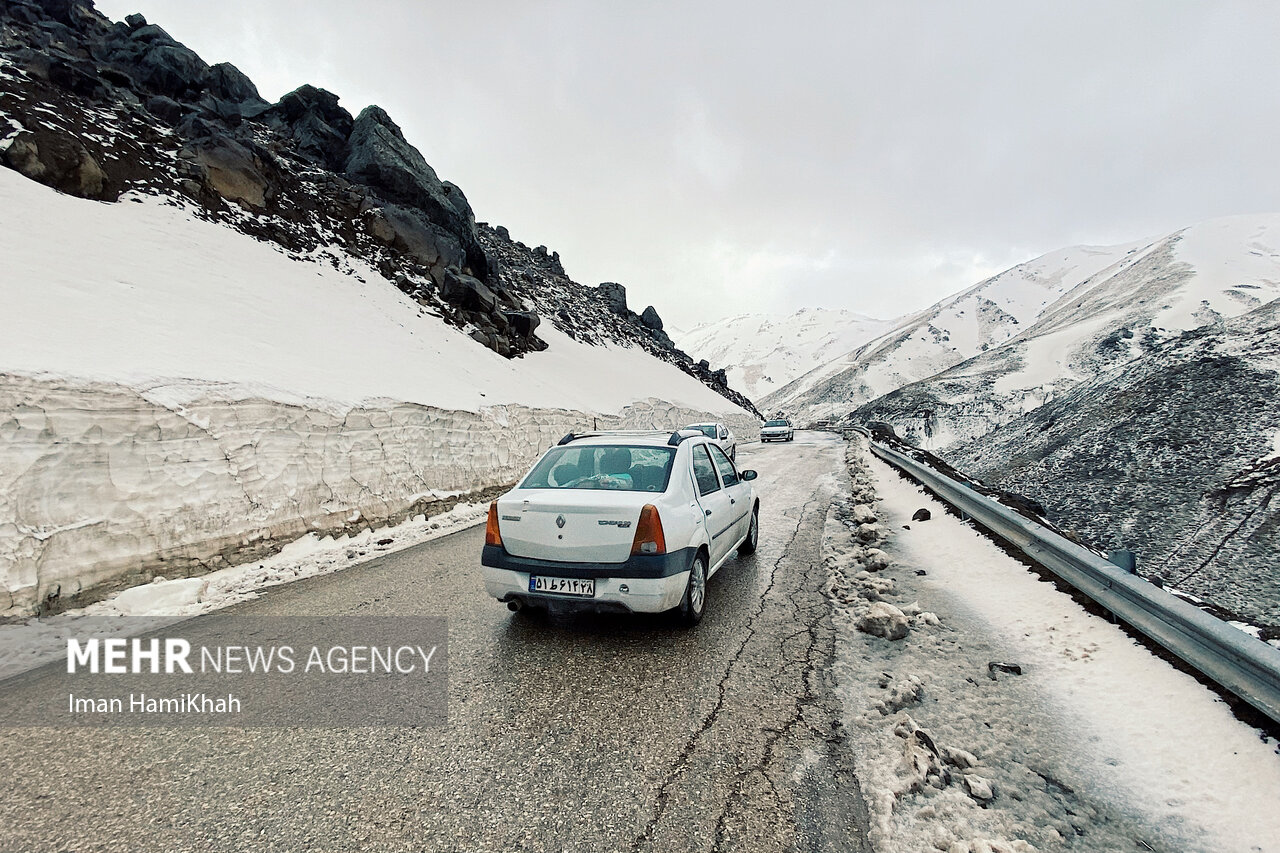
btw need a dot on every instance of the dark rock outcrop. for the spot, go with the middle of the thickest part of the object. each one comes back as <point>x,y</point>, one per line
<point>614,297</point>
<point>651,319</point>
<point>137,109</point>
<point>380,158</point>
<point>169,68</point>
<point>411,232</point>
<point>467,292</point>
<point>230,84</point>
<point>594,315</point>
<point>318,126</point>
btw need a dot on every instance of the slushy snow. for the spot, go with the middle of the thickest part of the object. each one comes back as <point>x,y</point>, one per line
<point>1096,745</point>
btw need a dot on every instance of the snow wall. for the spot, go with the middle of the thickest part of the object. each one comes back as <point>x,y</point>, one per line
<point>101,488</point>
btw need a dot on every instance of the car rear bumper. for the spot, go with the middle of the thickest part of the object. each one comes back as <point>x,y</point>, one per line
<point>644,584</point>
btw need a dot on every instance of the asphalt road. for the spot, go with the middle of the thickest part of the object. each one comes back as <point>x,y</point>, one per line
<point>574,733</point>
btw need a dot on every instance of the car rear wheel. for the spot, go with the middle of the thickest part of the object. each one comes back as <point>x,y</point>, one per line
<point>748,545</point>
<point>694,603</point>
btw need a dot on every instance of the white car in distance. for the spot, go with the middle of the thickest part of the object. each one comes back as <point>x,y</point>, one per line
<point>721,435</point>
<point>778,429</point>
<point>621,521</point>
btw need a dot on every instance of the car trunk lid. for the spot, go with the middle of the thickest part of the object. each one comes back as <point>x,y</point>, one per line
<point>587,526</point>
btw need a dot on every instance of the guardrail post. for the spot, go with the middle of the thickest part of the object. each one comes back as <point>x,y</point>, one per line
<point>1125,559</point>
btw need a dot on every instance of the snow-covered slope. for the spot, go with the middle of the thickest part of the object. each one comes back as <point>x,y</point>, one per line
<point>149,296</point>
<point>1176,456</point>
<point>955,329</point>
<point>176,396</point>
<point>762,353</point>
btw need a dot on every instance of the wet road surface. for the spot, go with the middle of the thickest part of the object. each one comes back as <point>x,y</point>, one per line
<point>565,733</point>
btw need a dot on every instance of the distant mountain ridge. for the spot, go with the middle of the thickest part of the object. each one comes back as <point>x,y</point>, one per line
<point>959,327</point>
<point>1133,390</point>
<point>762,353</point>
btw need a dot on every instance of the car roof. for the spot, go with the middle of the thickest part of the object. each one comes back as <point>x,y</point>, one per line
<point>633,439</point>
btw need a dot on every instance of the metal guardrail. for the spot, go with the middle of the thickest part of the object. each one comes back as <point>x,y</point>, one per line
<point>1245,665</point>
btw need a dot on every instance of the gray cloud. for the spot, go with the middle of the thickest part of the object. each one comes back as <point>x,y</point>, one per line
<point>727,157</point>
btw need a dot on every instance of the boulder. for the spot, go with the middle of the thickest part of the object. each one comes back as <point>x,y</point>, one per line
<point>229,83</point>
<point>467,292</point>
<point>135,21</point>
<point>318,126</point>
<point>614,297</point>
<point>77,14</point>
<point>57,159</point>
<point>219,110</point>
<point>172,69</point>
<point>978,787</point>
<point>523,323</point>
<point>78,76</point>
<point>875,560</point>
<point>651,319</point>
<point>193,125</point>
<point>150,32</point>
<point>233,171</point>
<point>882,619</point>
<point>409,231</point>
<point>864,514</point>
<point>381,158</point>
<point>870,533</point>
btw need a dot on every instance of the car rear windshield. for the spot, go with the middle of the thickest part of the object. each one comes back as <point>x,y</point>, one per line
<point>775,423</point>
<point>709,430</point>
<point>620,467</point>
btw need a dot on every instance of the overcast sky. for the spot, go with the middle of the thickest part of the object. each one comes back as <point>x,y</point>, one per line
<point>720,158</point>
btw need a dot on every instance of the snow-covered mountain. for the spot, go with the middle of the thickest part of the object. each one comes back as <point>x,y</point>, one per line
<point>1139,406</point>
<point>229,323</point>
<point>762,353</point>
<point>955,329</point>
<point>1175,455</point>
<point>1198,277</point>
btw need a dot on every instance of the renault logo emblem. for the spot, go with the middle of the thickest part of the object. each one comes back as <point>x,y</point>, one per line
<point>560,521</point>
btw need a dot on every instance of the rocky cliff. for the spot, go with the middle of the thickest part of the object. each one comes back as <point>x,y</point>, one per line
<point>108,110</point>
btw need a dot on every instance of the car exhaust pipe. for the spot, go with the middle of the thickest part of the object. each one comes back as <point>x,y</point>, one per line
<point>515,606</point>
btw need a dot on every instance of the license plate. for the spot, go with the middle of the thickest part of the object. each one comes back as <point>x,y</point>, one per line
<point>582,587</point>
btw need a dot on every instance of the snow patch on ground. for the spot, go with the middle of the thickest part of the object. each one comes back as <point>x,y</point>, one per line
<point>1009,718</point>
<point>163,602</point>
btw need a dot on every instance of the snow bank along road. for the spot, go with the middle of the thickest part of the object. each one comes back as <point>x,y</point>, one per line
<point>578,733</point>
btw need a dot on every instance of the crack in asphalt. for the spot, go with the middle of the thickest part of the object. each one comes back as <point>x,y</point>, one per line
<point>682,762</point>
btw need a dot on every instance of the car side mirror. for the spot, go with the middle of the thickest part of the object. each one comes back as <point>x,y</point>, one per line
<point>747,474</point>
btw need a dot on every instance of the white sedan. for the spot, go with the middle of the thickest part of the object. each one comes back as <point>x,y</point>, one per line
<point>778,429</point>
<point>624,521</point>
<point>721,435</point>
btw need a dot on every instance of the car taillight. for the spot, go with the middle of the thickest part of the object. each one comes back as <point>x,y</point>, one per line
<point>649,538</point>
<point>491,534</point>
